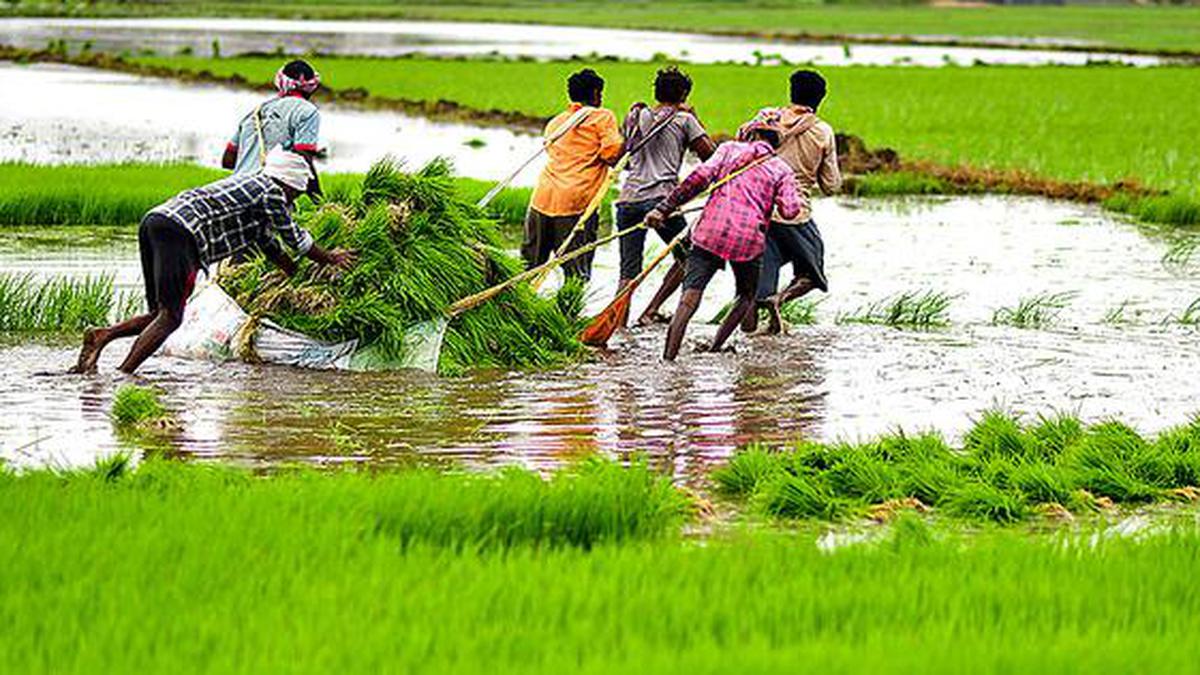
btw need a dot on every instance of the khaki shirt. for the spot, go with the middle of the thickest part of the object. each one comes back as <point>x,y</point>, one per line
<point>812,154</point>
<point>576,169</point>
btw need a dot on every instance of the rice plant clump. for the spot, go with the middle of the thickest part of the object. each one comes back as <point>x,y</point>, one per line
<point>57,304</point>
<point>133,406</point>
<point>1038,311</point>
<point>910,309</point>
<point>1006,470</point>
<point>420,248</point>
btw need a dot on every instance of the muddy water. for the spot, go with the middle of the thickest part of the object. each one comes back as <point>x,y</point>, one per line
<point>67,114</point>
<point>826,381</point>
<point>393,38</point>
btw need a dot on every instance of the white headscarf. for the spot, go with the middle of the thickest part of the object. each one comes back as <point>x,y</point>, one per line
<point>288,168</point>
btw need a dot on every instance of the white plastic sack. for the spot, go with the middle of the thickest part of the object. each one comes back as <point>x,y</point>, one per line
<point>275,344</point>
<point>211,319</point>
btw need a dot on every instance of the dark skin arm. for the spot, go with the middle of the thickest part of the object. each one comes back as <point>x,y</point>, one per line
<point>229,159</point>
<point>703,147</point>
<point>314,186</point>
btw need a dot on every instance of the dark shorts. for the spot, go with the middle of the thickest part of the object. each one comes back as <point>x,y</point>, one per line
<point>634,244</point>
<point>544,234</point>
<point>170,261</point>
<point>702,265</point>
<point>798,245</point>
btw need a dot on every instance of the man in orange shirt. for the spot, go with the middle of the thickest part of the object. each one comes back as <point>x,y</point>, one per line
<point>576,170</point>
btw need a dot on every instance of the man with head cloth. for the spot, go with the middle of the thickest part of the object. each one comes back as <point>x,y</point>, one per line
<point>201,227</point>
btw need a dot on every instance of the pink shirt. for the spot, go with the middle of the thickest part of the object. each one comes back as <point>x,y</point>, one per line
<point>735,219</point>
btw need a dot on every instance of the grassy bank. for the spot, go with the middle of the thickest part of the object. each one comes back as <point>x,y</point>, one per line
<point>1121,27</point>
<point>120,194</point>
<point>180,568</point>
<point>1061,123</point>
<point>1005,471</point>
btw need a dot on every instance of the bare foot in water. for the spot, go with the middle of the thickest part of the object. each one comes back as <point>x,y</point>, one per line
<point>647,320</point>
<point>90,352</point>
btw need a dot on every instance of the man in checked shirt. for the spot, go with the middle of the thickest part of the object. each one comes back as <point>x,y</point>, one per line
<point>733,226</point>
<point>201,227</point>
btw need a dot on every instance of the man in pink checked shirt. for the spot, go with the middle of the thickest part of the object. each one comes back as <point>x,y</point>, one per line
<point>733,225</point>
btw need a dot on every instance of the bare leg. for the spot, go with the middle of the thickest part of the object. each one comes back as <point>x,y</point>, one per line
<point>670,284</point>
<point>798,288</point>
<point>96,339</point>
<point>164,323</point>
<point>688,303</point>
<point>750,321</point>
<point>736,315</point>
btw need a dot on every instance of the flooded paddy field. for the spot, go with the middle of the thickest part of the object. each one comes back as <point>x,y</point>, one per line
<point>1113,351</point>
<point>397,38</point>
<point>129,118</point>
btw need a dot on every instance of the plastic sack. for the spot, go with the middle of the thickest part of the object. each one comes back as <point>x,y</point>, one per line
<point>211,319</point>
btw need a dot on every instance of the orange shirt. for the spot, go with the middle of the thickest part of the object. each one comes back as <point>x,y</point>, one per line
<point>575,168</point>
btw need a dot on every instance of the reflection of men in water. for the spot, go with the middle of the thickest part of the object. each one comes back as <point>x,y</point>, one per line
<point>290,120</point>
<point>576,169</point>
<point>732,225</point>
<point>807,145</point>
<point>203,226</point>
<point>668,131</point>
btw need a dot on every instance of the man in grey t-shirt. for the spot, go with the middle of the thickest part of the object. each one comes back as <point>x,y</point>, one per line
<point>660,137</point>
<point>290,121</point>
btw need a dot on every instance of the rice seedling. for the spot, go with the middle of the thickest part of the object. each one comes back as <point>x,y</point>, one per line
<point>133,406</point>
<point>140,571</point>
<point>910,309</point>
<point>1118,316</point>
<point>421,248</point>
<point>1190,315</point>
<point>1003,469</point>
<point>57,304</point>
<point>1037,311</point>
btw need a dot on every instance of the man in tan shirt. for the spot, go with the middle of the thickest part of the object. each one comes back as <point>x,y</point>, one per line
<point>807,145</point>
<point>576,170</point>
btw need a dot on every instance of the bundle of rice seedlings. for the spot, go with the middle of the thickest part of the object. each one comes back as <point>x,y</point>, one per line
<point>57,303</point>
<point>133,405</point>
<point>420,247</point>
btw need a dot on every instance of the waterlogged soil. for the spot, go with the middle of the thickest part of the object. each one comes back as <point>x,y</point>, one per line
<point>129,118</point>
<point>826,381</point>
<point>395,38</point>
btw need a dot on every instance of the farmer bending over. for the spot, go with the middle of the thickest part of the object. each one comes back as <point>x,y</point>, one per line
<point>807,145</point>
<point>290,120</point>
<point>664,134</point>
<point>576,170</point>
<point>201,227</point>
<point>732,225</point>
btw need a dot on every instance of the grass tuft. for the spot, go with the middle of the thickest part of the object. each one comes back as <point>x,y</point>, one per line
<point>1038,311</point>
<point>58,304</point>
<point>910,309</point>
<point>133,406</point>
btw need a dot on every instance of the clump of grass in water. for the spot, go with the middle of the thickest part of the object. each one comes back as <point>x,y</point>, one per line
<point>135,406</point>
<point>1190,315</point>
<point>911,309</point>
<point>421,247</point>
<point>57,304</point>
<point>1038,311</point>
<point>1005,469</point>
<point>475,143</point>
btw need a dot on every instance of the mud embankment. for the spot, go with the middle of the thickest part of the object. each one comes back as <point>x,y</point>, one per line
<point>856,158</point>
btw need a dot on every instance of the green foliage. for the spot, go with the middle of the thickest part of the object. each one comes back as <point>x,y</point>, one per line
<point>1037,311</point>
<point>1002,470</point>
<point>594,503</point>
<point>421,247</point>
<point>910,309</point>
<point>59,304</point>
<point>133,406</point>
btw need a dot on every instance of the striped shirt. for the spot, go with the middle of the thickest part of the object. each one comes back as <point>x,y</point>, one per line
<point>735,219</point>
<point>234,214</point>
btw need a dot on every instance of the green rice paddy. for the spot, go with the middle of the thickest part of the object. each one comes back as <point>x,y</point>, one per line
<point>61,304</point>
<point>1114,26</point>
<point>194,568</point>
<point>1063,123</point>
<point>1005,471</point>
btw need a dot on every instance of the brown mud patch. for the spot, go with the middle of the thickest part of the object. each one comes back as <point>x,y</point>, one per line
<point>855,157</point>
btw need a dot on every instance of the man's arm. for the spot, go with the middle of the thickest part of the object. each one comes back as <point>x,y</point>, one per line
<point>305,141</point>
<point>698,139</point>
<point>703,146</point>
<point>612,144</point>
<point>229,159</point>
<point>787,197</point>
<point>829,175</point>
